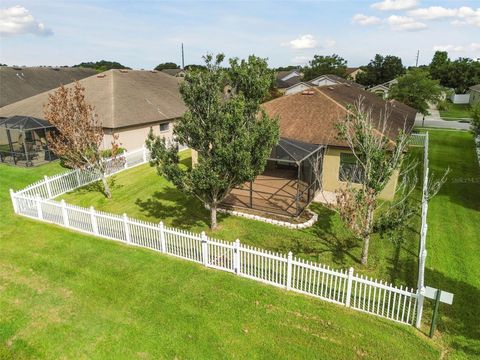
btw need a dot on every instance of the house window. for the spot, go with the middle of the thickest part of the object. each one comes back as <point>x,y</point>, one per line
<point>349,169</point>
<point>164,127</point>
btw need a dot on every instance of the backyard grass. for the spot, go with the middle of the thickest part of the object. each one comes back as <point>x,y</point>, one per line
<point>141,193</point>
<point>456,111</point>
<point>67,295</point>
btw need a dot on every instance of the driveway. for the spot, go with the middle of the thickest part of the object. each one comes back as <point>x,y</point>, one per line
<point>434,120</point>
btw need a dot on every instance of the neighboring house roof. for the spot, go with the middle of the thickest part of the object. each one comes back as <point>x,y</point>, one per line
<point>18,83</point>
<point>121,98</point>
<point>285,79</point>
<point>173,72</point>
<point>351,70</point>
<point>475,87</point>
<point>311,116</point>
<point>336,79</point>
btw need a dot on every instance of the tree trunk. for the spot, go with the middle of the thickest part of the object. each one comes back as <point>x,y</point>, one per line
<point>106,188</point>
<point>213,216</point>
<point>366,239</point>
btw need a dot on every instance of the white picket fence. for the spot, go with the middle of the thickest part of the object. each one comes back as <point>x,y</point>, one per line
<point>285,271</point>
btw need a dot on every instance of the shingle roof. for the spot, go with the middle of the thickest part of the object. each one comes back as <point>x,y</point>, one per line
<point>351,70</point>
<point>121,98</point>
<point>339,80</point>
<point>20,83</point>
<point>311,116</point>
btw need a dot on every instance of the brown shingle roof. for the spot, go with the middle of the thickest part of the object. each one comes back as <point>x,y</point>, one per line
<point>20,83</point>
<point>311,116</point>
<point>121,98</point>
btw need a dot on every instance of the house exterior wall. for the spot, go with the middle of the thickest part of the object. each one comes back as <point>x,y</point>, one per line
<point>474,97</point>
<point>330,175</point>
<point>297,88</point>
<point>134,137</point>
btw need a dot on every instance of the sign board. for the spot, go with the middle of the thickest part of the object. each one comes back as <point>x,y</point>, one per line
<point>445,297</point>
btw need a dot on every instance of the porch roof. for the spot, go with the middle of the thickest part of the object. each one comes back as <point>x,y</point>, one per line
<point>293,150</point>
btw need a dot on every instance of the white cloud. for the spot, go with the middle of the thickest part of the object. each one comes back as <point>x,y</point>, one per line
<point>458,48</point>
<point>17,20</point>
<point>365,20</point>
<point>306,41</point>
<point>404,23</point>
<point>462,15</point>
<point>389,5</point>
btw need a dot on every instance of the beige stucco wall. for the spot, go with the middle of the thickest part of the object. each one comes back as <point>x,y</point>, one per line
<point>133,138</point>
<point>330,178</point>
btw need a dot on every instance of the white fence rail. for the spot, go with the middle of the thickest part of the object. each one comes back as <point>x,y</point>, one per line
<point>285,271</point>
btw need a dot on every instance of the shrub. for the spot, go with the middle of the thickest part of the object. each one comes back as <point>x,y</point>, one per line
<point>444,105</point>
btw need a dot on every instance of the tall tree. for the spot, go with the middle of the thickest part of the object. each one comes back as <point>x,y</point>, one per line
<point>439,67</point>
<point>167,65</point>
<point>79,133</point>
<point>462,73</point>
<point>380,70</point>
<point>417,90</point>
<point>232,135</point>
<point>323,65</point>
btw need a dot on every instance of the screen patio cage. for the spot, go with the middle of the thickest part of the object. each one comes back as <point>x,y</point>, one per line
<point>24,141</point>
<point>287,185</point>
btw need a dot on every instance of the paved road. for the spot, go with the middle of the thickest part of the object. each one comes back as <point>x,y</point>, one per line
<point>439,123</point>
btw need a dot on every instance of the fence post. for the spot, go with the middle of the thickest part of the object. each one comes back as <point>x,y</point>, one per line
<point>349,287</point>
<point>64,213</point>
<point>127,229</point>
<point>94,220</point>
<point>289,270</point>
<point>163,246</point>
<point>144,153</point>
<point>236,256</point>
<point>125,165</point>
<point>14,201</point>
<point>38,201</point>
<point>421,297</point>
<point>78,177</point>
<point>49,190</point>
<point>204,248</point>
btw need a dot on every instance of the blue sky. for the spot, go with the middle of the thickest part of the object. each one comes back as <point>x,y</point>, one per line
<point>141,34</point>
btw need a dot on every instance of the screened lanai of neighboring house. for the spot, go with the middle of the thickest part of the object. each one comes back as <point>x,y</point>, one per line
<point>288,184</point>
<point>24,140</point>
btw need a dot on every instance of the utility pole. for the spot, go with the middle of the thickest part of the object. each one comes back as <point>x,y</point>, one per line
<point>183,58</point>
<point>416,62</point>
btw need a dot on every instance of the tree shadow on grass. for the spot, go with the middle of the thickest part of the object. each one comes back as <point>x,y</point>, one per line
<point>184,211</point>
<point>329,239</point>
<point>460,321</point>
<point>97,186</point>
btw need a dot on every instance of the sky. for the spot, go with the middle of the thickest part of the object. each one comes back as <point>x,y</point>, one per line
<point>143,33</point>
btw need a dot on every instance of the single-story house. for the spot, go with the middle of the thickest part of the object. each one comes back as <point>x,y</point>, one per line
<point>18,83</point>
<point>309,138</point>
<point>287,78</point>
<point>175,72</point>
<point>352,72</point>
<point>474,95</point>
<point>127,102</point>
<point>322,80</point>
<point>382,90</point>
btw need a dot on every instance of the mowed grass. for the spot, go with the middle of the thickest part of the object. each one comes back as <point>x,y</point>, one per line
<point>453,245</point>
<point>456,111</point>
<point>142,194</point>
<point>67,295</point>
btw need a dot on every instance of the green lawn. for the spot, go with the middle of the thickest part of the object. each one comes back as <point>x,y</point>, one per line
<point>456,111</point>
<point>67,295</point>
<point>142,194</point>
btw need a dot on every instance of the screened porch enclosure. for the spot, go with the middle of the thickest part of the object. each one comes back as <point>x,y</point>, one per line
<point>24,141</point>
<point>288,184</point>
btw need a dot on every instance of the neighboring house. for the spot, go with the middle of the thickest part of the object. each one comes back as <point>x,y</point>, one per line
<point>308,132</point>
<point>18,83</point>
<point>322,80</point>
<point>285,79</point>
<point>175,72</point>
<point>352,72</point>
<point>475,95</point>
<point>127,102</point>
<point>382,90</point>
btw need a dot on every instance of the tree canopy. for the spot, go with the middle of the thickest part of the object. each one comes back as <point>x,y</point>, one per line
<point>166,65</point>
<point>323,65</point>
<point>102,65</point>
<point>232,135</point>
<point>380,70</point>
<point>417,89</point>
